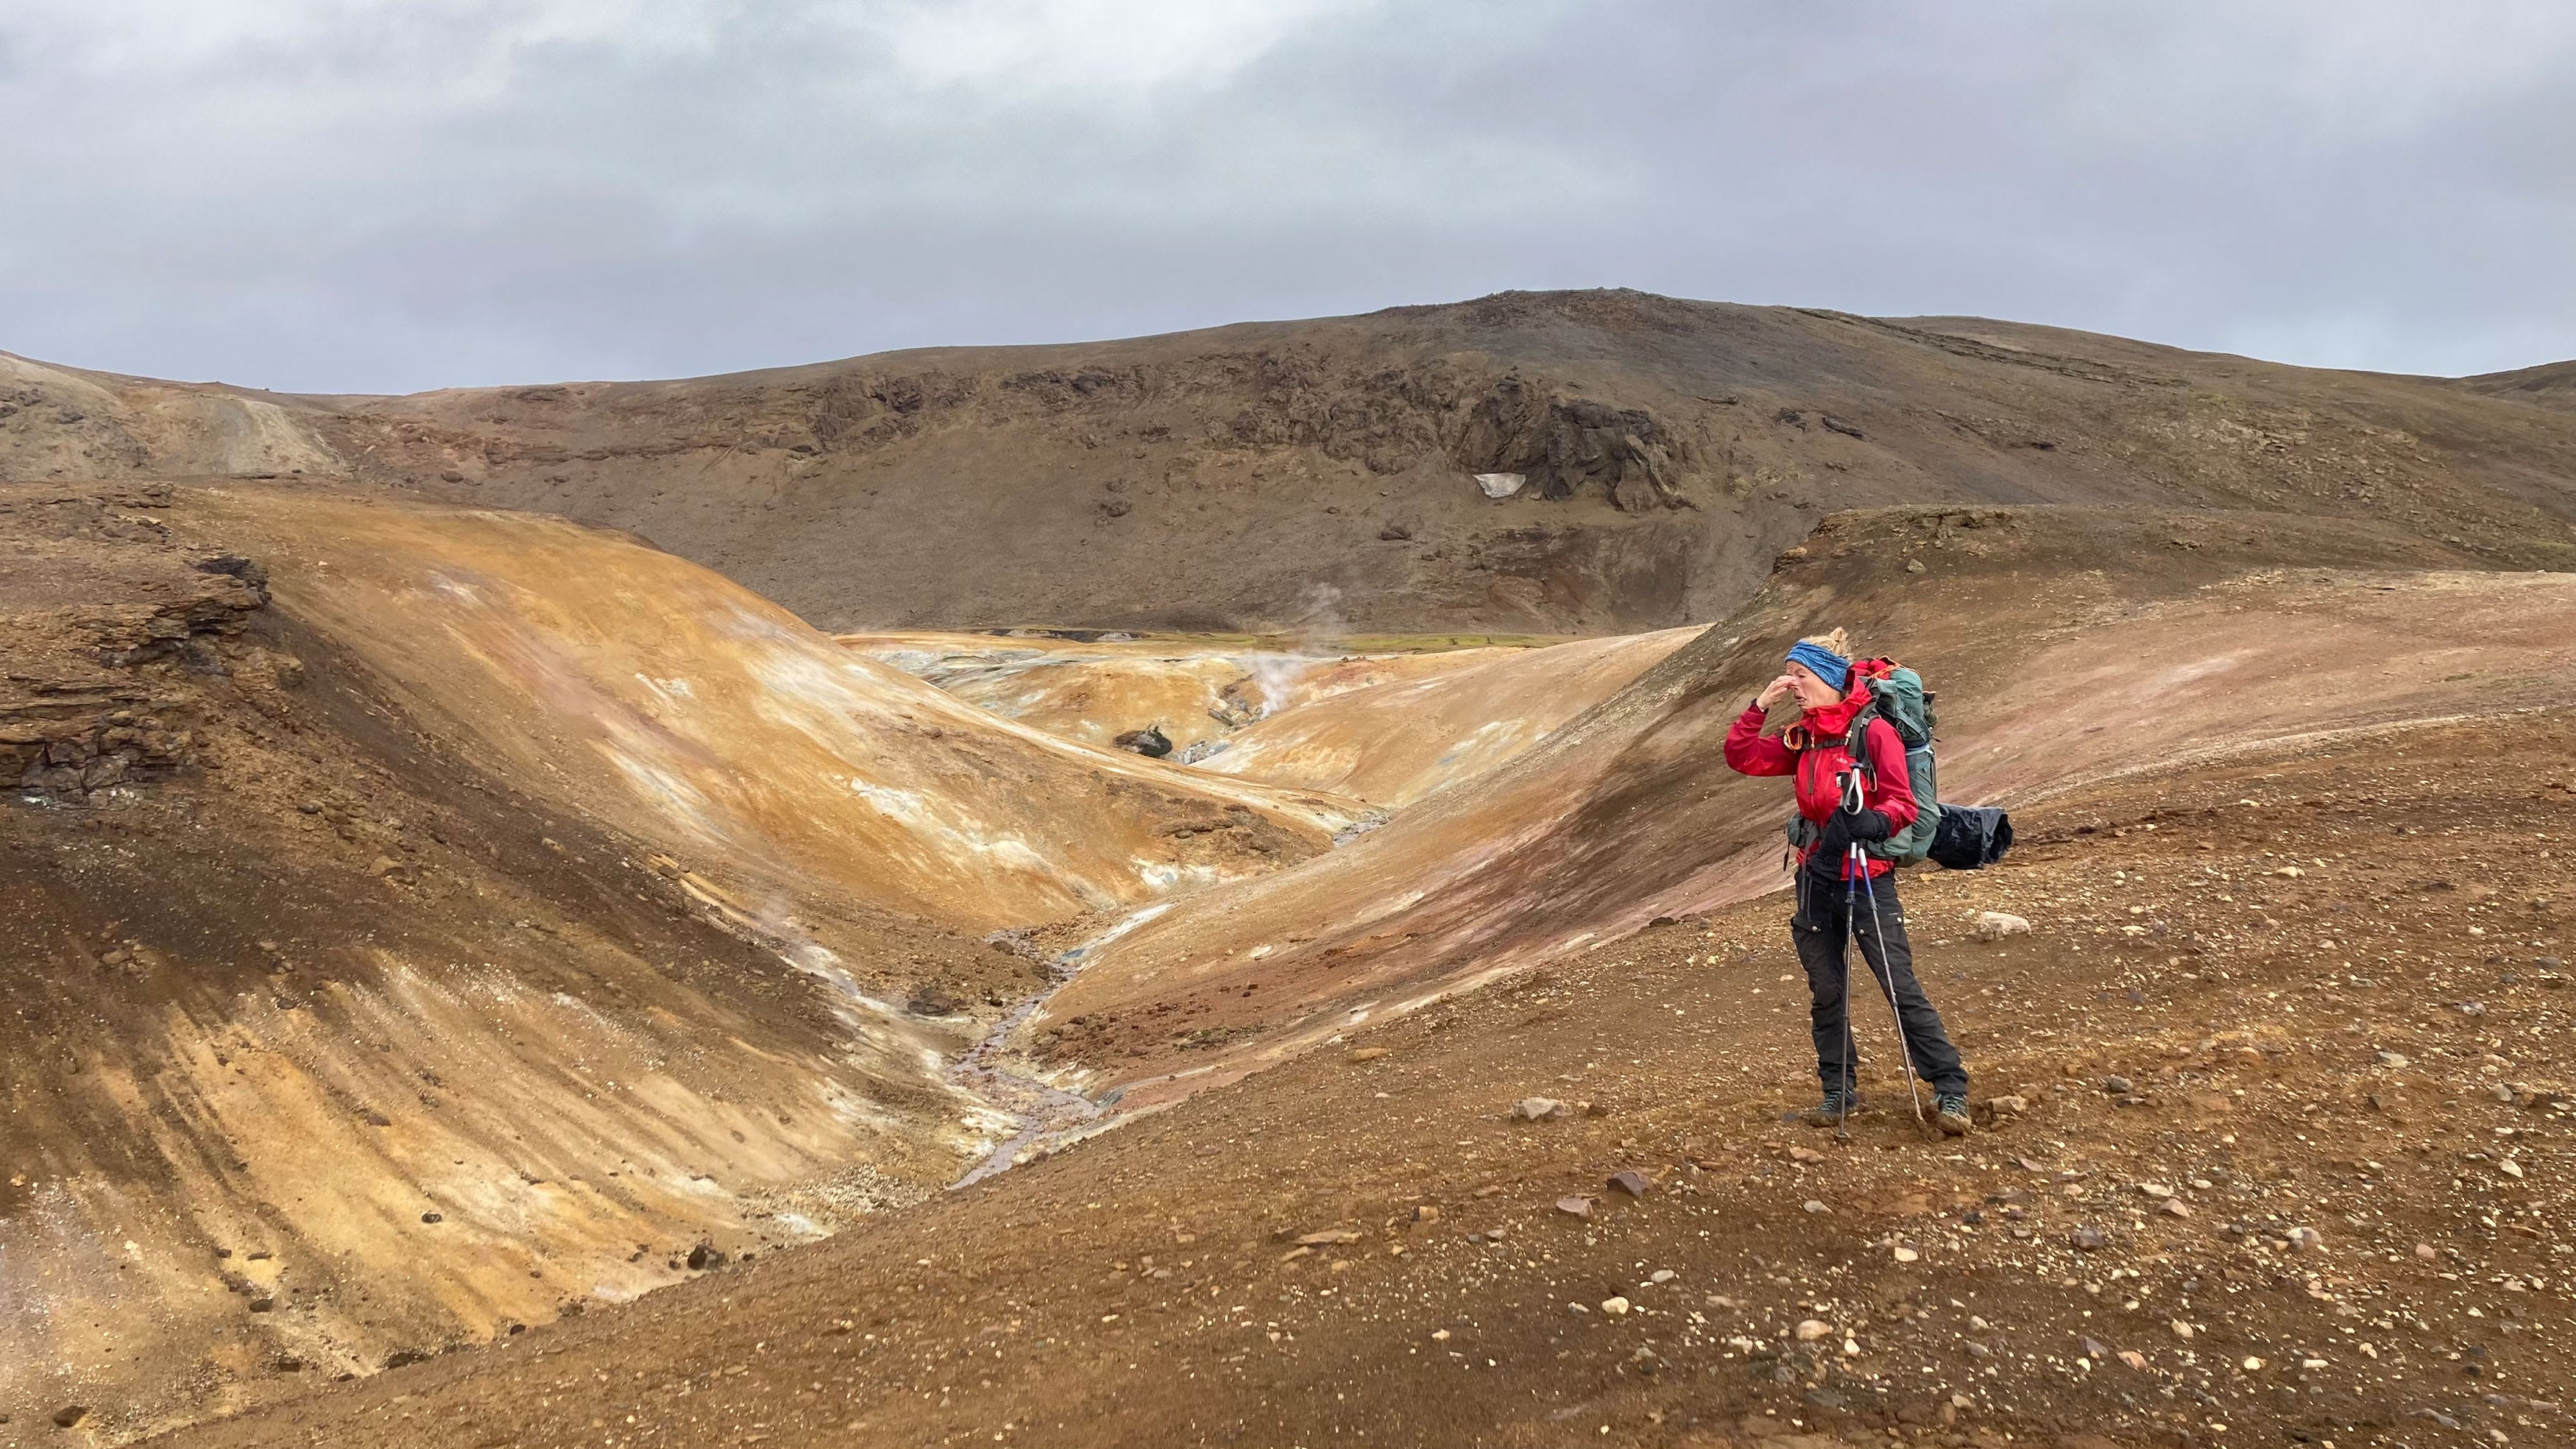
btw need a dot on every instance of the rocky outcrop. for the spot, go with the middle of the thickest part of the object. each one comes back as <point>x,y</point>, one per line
<point>96,695</point>
<point>1642,459</point>
<point>43,752</point>
<point>1565,445</point>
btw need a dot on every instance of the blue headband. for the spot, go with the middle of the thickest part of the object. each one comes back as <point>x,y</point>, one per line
<point>1822,662</point>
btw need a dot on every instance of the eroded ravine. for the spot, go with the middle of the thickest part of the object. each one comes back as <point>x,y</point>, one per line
<point>421,924</point>
<point>1393,725</point>
<point>1046,1113</point>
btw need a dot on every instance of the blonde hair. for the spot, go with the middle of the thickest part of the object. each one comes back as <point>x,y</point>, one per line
<point>1838,641</point>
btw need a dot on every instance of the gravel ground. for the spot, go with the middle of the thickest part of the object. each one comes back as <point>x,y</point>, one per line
<point>2288,1039</point>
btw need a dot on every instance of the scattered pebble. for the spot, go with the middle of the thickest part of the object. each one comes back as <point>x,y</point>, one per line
<point>1995,925</point>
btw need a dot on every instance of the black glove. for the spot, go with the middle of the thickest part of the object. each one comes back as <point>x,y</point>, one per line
<point>1847,828</point>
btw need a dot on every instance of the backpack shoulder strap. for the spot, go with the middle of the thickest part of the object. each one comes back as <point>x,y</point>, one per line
<point>1856,741</point>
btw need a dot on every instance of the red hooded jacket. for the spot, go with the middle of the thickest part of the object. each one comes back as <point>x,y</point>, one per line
<point>1819,767</point>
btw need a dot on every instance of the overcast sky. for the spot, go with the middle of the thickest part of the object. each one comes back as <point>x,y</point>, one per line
<point>375,195</point>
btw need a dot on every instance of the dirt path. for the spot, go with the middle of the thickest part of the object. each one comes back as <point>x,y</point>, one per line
<point>2215,1057</point>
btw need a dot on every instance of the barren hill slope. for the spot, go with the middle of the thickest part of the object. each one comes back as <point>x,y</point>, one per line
<point>468,1019</point>
<point>2060,658</point>
<point>1394,743</point>
<point>755,753</point>
<point>2550,385</point>
<point>64,423</point>
<point>2242,1182</point>
<point>415,923</point>
<point>1384,729</point>
<point>1318,474</point>
<point>1198,689</point>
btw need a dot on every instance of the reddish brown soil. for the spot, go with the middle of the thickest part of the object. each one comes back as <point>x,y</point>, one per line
<point>2374,1048</point>
<point>2063,643</point>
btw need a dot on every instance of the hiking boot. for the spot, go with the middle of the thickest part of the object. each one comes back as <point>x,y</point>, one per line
<point>1831,1111</point>
<point>1952,1113</point>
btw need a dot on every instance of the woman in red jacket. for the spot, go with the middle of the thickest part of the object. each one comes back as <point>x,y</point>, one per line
<point>1832,908</point>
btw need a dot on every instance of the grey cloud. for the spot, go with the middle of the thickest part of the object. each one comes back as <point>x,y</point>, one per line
<point>332,197</point>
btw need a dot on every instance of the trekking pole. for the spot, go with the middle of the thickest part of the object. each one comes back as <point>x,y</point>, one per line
<point>1904,1048</point>
<point>1849,1073</point>
<point>1850,1076</point>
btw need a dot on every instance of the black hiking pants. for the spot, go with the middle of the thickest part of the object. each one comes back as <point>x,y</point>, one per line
<point>1829,915</point>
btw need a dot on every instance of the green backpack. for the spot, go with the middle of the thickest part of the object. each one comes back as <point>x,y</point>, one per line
<point>1896,695</point>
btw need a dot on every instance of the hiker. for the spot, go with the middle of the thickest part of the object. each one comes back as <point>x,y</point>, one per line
<point>1834,904</point>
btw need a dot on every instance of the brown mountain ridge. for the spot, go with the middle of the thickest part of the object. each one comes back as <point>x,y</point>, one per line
<point>1318,474</point>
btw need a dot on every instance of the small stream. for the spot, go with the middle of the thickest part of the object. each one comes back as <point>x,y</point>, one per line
<point>1043,1111</point>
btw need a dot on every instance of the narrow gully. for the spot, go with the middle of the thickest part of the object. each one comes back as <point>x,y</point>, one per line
<point>1044,1111</point>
